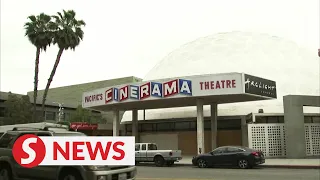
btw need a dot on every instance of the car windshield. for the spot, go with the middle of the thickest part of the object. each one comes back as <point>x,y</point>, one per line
<point>68,134</point>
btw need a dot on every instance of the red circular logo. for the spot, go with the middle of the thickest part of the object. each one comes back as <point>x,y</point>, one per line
<point>29,151</point>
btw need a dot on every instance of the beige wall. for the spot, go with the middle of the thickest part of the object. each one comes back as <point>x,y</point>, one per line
<point>187,141</point>
<point>72,95</point>
<point>163,140</point>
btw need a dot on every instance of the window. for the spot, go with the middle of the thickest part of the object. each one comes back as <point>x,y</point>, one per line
<point>67,116</point>
<point>316,119</point>
<point>146,127</point>
<point>165,126</point>
<point>281,119</point>
<point>137,148</point>
<point>307,119</point>
<point>50,115</point>
<point>2,111</point>
<point>193,125</point>
<point>219,150</point>
<point>19,135</point>
<point>143,147</point>
<point>129,127</point>
<point>6,139</point>
<point>182,125</point>
<point>207,125</point>
<point>39,116</point>
<point>152,147</point>
<point>229,124</point>
<point>233,149</point>
<point>272,119</point>
<point>261,119</point>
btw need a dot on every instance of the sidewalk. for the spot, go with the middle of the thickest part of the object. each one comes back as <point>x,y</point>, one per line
<point>274,163</point>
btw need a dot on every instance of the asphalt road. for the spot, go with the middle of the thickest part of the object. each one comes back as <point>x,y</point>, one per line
<point>193,173</point>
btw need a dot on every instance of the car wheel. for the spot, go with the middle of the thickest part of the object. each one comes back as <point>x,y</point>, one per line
<point>70,176</point>
<point>243,164</point>
<point>202,163</point>
<point>159,161</point>
<point>170,163</point>
<point>5,173</point>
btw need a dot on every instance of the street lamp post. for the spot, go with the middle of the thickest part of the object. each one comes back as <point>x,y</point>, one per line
<point>60,115</point>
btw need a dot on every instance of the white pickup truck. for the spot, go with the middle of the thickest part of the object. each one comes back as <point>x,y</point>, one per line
<point>148,152</point>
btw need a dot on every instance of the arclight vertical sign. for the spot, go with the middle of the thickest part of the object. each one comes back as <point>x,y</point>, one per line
<point>260,86</point>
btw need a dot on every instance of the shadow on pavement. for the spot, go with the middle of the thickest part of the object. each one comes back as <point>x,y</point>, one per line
<point>153,165</point>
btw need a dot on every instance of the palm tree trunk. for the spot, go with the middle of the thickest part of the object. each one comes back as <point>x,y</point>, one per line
<point>36,80</point>
<point>50,80</point>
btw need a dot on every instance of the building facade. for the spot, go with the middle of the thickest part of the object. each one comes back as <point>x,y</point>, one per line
<point>72,95</point>
<point>294,68</point>
<point>261,131</point>
<point>51,110</point>
<point>258,124</point>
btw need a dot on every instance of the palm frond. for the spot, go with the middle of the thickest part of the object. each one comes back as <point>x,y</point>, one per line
<point>32,18</point>
<point>60,15</point>
<point>72,14</point>
<point>38,30</point>
<point>81,23</point>
<point>45,18</point>
<point>69,33</point>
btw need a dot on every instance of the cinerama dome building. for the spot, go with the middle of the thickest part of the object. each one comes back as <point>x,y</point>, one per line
<point>295,70</point>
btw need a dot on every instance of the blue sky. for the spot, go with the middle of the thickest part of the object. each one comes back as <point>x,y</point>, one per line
<point>128,38</point>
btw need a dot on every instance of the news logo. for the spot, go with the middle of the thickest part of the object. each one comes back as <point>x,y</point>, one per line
<point>31,151</point>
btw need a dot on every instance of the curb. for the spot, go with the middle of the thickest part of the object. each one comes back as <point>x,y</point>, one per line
<point>292,166</point>
<point>273,166</point>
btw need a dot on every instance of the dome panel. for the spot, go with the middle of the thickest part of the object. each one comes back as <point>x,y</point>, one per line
<point>295,70</point>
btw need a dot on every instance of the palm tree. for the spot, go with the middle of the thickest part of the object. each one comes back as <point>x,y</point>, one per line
<point>68,35</point>
<point>39,34</point>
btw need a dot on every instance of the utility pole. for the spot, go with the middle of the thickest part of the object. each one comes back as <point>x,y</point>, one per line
<point>61,113</point>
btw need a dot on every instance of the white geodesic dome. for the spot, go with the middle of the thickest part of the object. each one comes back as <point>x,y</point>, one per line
<point>295,70</point>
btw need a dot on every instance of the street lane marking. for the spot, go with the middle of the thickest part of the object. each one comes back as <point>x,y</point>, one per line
<point>171,179</point>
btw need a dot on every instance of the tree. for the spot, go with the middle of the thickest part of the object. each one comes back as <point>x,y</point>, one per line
<point>26,109</point>
<point>67,35</point>
<point>11,109</point>
<point>81,115</point>
<point>84,115</point>
<point>18,110</point>
<point>38,31</point>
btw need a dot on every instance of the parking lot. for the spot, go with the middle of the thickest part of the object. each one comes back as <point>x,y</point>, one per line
<point>192,173</point>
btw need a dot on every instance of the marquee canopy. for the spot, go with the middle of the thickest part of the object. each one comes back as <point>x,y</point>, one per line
<point>181,91</point>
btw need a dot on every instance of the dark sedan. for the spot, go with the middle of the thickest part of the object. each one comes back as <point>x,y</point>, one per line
<point>242,157</point>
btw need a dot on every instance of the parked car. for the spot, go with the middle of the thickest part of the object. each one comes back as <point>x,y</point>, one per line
<point>148,152</point>
<point>243,157</point>
<point>10,170</point>
<point>40,125</point>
